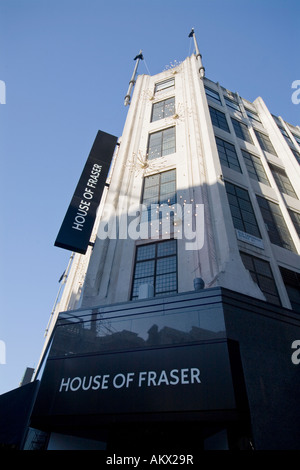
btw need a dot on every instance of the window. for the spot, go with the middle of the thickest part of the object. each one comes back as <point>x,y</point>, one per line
<point>282,181</point>
<point>241,131</point>
<point>285,134</point>
<point>297,138</point>
<point>275,224</point>
<point>159,189</point>
<point>218,119</point>
<point>261,273</point>
<point>296,155</point>
<point>232,104</point>
<point>291,281</point>
<point>213,95</point>
<point>161,143</point>
<point>295,216</point>
<point>227,154</point>
<point>265,142</point>
<point>166,85</point>
<point>252,115</point>
<point>156,264</point>
<point>255,168</point>
<point>241,210</point>
<point>163,109</point>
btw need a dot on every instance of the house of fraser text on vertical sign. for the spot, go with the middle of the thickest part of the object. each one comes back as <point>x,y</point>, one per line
<point>77,226</point>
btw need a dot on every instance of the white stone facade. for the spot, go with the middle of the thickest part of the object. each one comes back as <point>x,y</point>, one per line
<point>200,179</point>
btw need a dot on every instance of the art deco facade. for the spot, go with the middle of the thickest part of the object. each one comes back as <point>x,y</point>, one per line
<point>192,142</point>
<point>183,313</point>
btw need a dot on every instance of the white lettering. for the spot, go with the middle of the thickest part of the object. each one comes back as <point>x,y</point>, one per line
<point>77,227</point>
<point>116,378</point>
<point>2,352</point>
<point>84,386</point>
<point>195,375</point>
<point>129,378</point>
<point>163,378</point>
<point>73,387</point>
<point>64,384</point>
<point>296,94</point>
<point>96,381</point>
<point>104,381</point>
<point>184,376</point>
<point>296,354</point>
<point>174,375</point>
<point>149,378</point>
<point>142,377</point>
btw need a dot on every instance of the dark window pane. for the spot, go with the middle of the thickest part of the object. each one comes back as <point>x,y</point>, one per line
<point>243,216</point>
<point>277,229</point>
<point>261,273</point>
<point>160,269</point>
<point>228,155</point>
<point>218,119</point>
<point>265,142</point>
<point>291,281</point>
<point>241,131</point>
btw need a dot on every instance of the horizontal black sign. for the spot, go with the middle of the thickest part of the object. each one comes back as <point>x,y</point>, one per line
<point>78,223</point>
<point>186,378</point>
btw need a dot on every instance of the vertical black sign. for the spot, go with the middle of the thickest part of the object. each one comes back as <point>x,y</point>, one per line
<point>79,220</point>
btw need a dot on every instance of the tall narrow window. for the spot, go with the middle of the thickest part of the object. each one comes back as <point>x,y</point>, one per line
<point>291,280</point>
<point>241,131</point>
<point>156,264</point>
<point>161,143</point>
<point>282,181</point>
<point>218,119</point>
<point>297,138</point>
<point>163,109</point>
<point>275,224</point>
<point>241,210</point>
<point>158,189</point>
<point>295,216</point>
<point>228,155</point>
<point>285,134</point>
<point>255,168</point>
<point>296,155</point>
<point>261,273</point>
<point>265,142</point>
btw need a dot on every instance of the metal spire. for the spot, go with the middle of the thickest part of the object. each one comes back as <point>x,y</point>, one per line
<point>132,81</point>
<point>198,55</point>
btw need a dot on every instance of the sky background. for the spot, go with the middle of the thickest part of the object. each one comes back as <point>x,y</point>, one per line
<point>66,65</point>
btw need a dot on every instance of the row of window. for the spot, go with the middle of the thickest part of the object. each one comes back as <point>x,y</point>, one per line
<point>166,108</point>
<point>241,130</point>
<point>244,219</point>
<point>156,264</point>
<point>161,189</point>
<point>163,143</point>
<point>219,120</point>
<point>229,158</point>
<point>231,103</point>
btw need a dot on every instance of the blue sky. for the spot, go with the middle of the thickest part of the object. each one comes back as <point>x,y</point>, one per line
<point>66,65</point>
